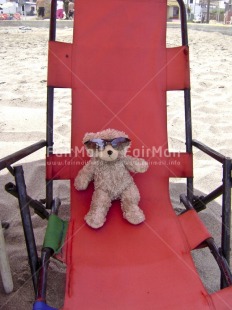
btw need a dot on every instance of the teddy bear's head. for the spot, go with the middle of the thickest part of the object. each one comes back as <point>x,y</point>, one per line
<point>108,145</point>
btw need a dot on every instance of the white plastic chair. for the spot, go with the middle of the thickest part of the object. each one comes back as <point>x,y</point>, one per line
<point>4,265</point>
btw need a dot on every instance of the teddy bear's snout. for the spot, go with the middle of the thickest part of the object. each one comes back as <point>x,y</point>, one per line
<point>108,153</point>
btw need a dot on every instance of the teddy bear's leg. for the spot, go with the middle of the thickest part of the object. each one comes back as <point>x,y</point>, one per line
<point>99,208</point>
<point>129,201</point>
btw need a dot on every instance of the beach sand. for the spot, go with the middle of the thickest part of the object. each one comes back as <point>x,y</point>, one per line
<point>22,122</point>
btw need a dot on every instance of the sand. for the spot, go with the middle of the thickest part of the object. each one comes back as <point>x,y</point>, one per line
<point>22,122</point>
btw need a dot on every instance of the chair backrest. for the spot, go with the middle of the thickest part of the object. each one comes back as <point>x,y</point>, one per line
<point>119,70</point>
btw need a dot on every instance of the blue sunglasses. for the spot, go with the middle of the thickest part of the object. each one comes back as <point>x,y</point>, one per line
<point>100,144</point>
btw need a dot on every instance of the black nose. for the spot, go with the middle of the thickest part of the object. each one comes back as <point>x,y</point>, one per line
<point>110,152</point>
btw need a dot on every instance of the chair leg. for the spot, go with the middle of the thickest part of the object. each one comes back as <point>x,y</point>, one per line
<point>42,279</point>
<point>27,224</point>
<point>226,276</point>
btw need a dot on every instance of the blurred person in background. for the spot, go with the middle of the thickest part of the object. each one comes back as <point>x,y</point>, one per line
<point>40,6</point>
<point>60,9</point>
<point>71,9</point>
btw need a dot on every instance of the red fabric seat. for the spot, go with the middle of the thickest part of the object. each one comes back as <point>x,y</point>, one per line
<point>119,70</point>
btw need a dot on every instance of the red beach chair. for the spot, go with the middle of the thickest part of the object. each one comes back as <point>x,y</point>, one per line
<point>119,70</point>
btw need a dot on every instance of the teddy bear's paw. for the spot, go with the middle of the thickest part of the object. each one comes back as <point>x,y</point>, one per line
<point>142,166</point>
<point>95,219</point>
<point>134,215</point>
<point>80,184</point>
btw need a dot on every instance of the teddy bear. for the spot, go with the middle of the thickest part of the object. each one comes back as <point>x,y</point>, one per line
<point>109,168</point>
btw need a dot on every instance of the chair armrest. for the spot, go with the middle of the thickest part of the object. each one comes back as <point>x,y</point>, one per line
<point>8,160</point>
<point>207,150</point>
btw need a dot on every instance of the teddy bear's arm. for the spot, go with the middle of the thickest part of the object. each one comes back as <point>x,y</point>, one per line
<point>135,164</point>
<point>84,176</point>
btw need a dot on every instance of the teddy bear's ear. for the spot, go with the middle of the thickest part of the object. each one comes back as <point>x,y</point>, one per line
<point>88,136</point>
